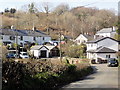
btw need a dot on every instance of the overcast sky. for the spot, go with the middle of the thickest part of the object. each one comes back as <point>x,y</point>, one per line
<point>106,4</point>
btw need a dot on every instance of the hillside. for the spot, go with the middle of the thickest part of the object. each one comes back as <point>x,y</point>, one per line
<point>70,22</point>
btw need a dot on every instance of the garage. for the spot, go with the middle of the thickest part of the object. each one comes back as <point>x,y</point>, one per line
<point>43,53</point>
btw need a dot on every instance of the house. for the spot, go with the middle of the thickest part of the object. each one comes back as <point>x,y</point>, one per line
<point>106,32</point>
<point>20,37</point>
<point>44,51</point>
<point>102,48</point>
<point>82,38</point>
<point>65,37</point>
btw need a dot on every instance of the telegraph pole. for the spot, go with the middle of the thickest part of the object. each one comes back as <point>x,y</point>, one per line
<point>16,44</point>
<point>60,47</point>
<point>72,32</point>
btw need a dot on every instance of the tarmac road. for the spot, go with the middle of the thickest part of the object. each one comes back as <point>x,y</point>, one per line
<point>104,77</point>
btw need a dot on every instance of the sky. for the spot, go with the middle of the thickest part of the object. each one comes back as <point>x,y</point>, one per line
<point>106,4</point>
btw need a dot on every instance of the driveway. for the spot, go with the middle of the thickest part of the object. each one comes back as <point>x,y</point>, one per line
<point>104,77</point>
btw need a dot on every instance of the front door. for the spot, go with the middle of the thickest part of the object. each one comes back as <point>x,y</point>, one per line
<point>43,53</point>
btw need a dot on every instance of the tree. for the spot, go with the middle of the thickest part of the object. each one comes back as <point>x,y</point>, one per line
<point>75,51</point>
<point>12,10</point>
<point>6,10</point>
<point>32,8</point>
<point>62,8</point>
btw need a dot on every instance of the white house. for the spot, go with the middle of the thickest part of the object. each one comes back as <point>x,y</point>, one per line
<point>106,32</point>
<point>83,38</point>
<point>103,48</point>
<point>22,36</point>
<point>44,51</point>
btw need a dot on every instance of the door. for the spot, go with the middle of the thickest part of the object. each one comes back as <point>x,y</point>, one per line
<point>43,53</point>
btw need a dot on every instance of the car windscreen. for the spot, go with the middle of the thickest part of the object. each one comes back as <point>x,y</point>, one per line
<point>112,61</point>
<point>24,53</point>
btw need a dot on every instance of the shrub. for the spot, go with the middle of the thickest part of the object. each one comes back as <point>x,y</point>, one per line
<point>3,52</point>
<point>74,51</point>
<point>39,74</point>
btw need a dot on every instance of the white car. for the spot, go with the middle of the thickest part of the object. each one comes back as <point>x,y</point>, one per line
<point>24,55</point>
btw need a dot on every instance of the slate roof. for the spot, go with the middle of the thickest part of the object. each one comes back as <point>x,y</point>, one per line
<point>103,50</point>
<point>33,33</point>
<point>37,47</point>
<point>11,32</point>
<point>89,37</point>
<point>106,30</point>
<point>22,32</point>
<point>49,47</point>
<point>99,39</point>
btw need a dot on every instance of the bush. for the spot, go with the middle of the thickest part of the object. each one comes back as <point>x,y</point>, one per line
<point>4,51</point>
<point>74,51</point>
<point>41,74</point>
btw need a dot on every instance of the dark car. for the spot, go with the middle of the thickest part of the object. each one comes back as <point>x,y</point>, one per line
<point>93,61</point>
<point>112,62</point>
<point>10,55</point>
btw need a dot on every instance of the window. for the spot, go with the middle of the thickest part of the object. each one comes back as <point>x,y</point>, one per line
<point>83,41</point>
<point>107,56</point>
<point>1,37</point>
<point>43,38</point>
<point>34,38</point>
<point>12,37</point>
<point>91,45</point>
<point>21,37</point>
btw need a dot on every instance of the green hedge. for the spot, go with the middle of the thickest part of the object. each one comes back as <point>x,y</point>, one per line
<point>20,77</point>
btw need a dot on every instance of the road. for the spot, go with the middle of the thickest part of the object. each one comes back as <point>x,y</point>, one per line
<point>104,77</point>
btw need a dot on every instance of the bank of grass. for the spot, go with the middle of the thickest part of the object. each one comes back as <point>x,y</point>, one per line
<point>42,74</point>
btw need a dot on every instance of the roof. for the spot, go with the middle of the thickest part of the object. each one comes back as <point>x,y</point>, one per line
<point>49,47</point>
<point>33,33</point>
<point>37,47</point>
<point>89,37</point>
<point>11,32</point>
<point>103,50</point>
<point>22,32</point>
<point>100,39</point>
<point>106,30</point>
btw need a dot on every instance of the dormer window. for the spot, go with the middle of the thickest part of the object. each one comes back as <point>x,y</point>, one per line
<point>43,38</point>
<point>12,37</point>
<point>21,37</point>
<point>34,38</point>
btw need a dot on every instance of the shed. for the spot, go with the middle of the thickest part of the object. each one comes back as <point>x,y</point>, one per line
<point>44,51</point>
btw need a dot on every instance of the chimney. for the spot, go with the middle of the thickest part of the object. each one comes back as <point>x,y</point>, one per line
<point>34,28</point>
<point>113,28</point>
<point>12,27</point>
<point>95,36</point>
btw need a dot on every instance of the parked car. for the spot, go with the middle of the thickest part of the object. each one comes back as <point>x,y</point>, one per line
<point>10,55</point>
<point>100,61</point>
<point>24,55</point>
<point>112,62</point>
<point>93,61</point>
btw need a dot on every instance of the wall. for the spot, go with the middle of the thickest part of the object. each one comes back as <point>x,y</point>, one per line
<point>91,46</point>
<point>38,40</point>
<point>100,55</point>
<point>81,39</point>
<point>103,56</point>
